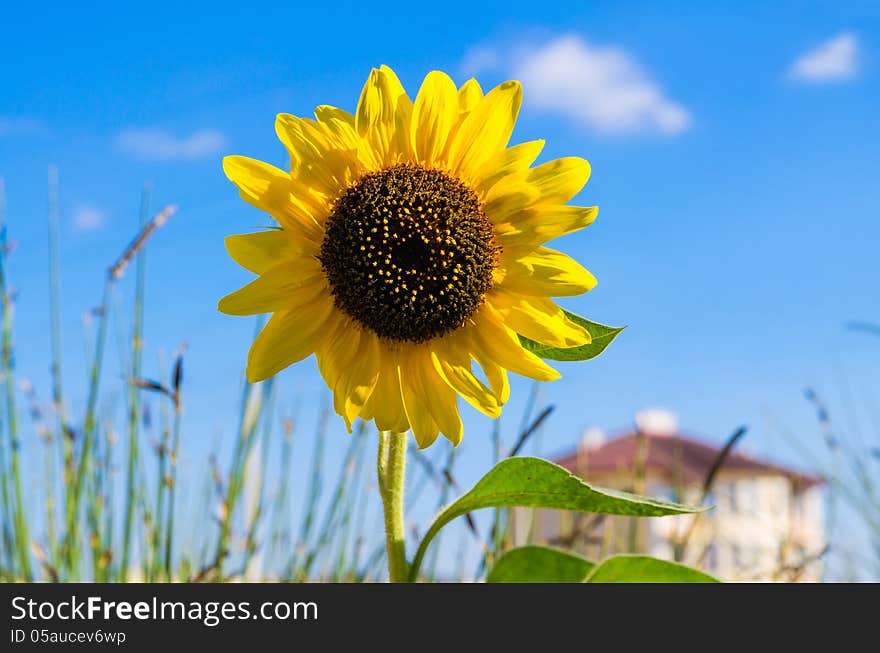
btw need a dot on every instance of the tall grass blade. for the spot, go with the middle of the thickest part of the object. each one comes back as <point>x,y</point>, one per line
<point>133,394</point>
<point>20,525</point>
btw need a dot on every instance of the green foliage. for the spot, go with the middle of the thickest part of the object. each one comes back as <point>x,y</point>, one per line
<point>644,569</point>
<point>539,564</point>
<point>602,336</point>
<point>536,483</point>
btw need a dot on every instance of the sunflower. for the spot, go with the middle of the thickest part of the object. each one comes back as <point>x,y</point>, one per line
<point>409,249</point>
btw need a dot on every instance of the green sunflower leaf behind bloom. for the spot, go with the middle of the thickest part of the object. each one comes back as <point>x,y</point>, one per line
<point>644,569</point>
<point>539,564</point>
<point>602,336</point>
<point>536,483</point>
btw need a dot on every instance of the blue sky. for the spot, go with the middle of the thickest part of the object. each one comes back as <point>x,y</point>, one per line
<point>735,150</point>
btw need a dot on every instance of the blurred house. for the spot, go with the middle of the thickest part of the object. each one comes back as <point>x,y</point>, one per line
<point>767,523</point>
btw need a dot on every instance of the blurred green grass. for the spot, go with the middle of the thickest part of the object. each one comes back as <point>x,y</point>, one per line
<point>109,506</point>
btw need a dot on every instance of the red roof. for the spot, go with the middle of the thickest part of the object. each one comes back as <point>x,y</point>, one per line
<point>672,457</point>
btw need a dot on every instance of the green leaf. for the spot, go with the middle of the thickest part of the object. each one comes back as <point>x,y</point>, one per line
<point>539,564</point>
<point>535,483</point>
<point>644,569</point>
<point>602,336</point>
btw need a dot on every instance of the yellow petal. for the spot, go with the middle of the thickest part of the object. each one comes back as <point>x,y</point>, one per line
<point>302,138</point>
<point>486,130</point>
<point>271,190</point>
<point>402,114</point>
<point>444,404</point>
<point>385,405</point>
<point>507,198</point>
<point>539,319</point>
<point>453,364</point>
<point>374,113</point>
<point>538,224</point>
<point>550,184</point>
<point>500,344</point>
<point>495,374</point>
<point>288,337</point>
<point>315,158</point>
<point>259,251</point>
<point>415,397</point>
<point>559,180</point>
<point>469,95</point>
<point>434,114</point>
<point>544,272</point>
<point>512,161</point>
<point>383,118</point>
<point>334,350</point>
<point>349,359</point>
<point>284,286</point>
<point>339,125</point>
<point>357,381</point>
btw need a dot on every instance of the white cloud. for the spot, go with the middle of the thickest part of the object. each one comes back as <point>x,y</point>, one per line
<point>601,87</point>
<point>88,218</point>
<point>835,59</point>
<point>479,59</point>
<point>159,144</point>
<point>9,126</point>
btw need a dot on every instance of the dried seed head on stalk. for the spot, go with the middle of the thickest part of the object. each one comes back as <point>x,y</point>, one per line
<point>43,559</point>
<point>118,268</point>
<point>153,386</point>
<point>177,374</point>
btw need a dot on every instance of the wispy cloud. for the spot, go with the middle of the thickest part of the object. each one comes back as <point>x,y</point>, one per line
<point>601,87</point>
<point>481,58</point>
<point>835,59</point>
<point>10,126</point>
<point>87,217</point>
<point>159,144</point>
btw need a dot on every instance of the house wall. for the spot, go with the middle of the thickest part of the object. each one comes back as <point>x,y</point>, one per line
<point>759,530</point>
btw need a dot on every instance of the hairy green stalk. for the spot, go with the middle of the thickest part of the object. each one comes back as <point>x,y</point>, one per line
<point>391,470</point>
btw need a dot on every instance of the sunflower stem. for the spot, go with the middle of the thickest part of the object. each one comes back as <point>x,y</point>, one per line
<point>391,469</point>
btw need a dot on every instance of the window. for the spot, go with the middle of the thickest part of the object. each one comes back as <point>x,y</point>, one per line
<point>712,556</point>
<point>741,497</point>
<point>749,496</point>
<point>736,555</point>
<point>727,496</point>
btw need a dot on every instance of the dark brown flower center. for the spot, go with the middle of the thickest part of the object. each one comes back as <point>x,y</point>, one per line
<point>409,253</point>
